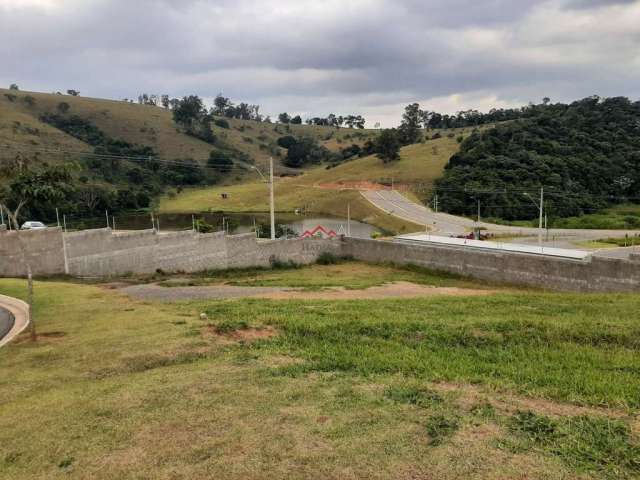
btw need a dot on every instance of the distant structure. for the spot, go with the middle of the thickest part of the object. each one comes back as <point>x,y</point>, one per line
<point>319,232</point>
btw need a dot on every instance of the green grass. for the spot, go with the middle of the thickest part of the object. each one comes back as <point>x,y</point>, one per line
<point>620,217</point>
<point>588,444</point>
<point>116,388</point>
<point>346,273</point>
<point>616,242</point>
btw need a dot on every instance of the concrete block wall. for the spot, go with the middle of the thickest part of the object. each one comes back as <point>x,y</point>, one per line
<point>44,251</point>
<point>102,253</point>
<point>594,274</point>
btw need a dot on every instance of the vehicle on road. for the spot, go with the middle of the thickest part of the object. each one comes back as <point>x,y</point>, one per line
<point>33,225</point>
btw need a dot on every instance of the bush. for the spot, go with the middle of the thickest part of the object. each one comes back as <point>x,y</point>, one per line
<point>328,258</point>
<point>63,107</point>
<point>202,226</point>
<point>278,264</point>
<point>287,141</point>
<point>441,427</point>
<point>222,123</point>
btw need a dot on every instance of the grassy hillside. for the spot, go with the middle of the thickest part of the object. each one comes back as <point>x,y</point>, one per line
<point>318,190</point>
<point>99,126</point>
<point>152,126</point>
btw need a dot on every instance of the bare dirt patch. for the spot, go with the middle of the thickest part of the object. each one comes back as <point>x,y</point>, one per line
<point>44,337</point>
<point>390,290</point>
<point>245,335</point>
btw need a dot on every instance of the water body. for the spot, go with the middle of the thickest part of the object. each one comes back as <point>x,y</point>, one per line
<point>234,222</point>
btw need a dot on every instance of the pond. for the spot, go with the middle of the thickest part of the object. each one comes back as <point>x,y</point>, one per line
<point>233,222</point>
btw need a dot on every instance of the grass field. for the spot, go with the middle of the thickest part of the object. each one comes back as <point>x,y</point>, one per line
<point>516,385</point>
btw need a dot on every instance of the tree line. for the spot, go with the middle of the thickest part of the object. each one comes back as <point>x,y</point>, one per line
<point>586,154</point>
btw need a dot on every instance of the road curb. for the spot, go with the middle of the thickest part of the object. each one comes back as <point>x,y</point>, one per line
<point>20,312</point>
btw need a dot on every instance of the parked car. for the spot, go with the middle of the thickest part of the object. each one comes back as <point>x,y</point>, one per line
<point>31,225</point>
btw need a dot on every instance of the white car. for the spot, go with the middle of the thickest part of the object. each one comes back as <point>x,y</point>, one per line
<point>33,226</point>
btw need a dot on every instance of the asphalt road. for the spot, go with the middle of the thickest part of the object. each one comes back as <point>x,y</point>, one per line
<point>6,322</point>
<point>394,203</point>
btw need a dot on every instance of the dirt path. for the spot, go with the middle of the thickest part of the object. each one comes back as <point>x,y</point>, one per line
<point>390,290</point>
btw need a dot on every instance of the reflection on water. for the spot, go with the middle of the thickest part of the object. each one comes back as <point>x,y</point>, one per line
<point>235,223</point>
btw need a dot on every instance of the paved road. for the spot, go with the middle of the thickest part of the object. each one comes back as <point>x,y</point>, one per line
<point>391,201</point>
<point>19,320</point>
<point>6,322</point>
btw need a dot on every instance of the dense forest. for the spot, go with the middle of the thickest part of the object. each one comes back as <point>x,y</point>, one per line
<point>586,155</point>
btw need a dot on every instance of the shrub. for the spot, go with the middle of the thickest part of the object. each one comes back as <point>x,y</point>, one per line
<point>222,123</point>
<point>328,258</point>
<point>202,226</point>
<point>63,107</point>
<point>441,427</point>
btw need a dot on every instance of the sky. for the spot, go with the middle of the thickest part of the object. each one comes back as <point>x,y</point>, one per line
<point>315,57</point>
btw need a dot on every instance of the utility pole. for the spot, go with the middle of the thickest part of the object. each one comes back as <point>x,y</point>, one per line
<point>541,213</point>
<point>478,211</point>
<point>271,200</point>
<point>540,207</point>
<point>348,219</point>
<point>435,203</point>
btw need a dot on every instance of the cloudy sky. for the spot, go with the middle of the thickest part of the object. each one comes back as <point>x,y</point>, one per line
<point>314,57</point>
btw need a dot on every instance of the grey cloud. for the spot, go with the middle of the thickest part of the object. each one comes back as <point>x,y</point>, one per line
<point>303,54</point>
<point>586,4</point>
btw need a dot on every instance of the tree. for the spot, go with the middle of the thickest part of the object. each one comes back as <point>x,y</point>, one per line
<point>188,110</point>
<point>409,131</point>
<point>73,93</point>
<point>387,145</point>
<point>287,141</point>
<point>297,120</point>
<point>284,118</point>
<point>63,107</point>
<point>13,86</point>
<point>164,100</point>
<point>220,161</point>
<point>221,105</point>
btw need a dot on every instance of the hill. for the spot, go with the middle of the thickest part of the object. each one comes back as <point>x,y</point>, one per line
<point>328,191</point>
<point>124,155</point>
<point>586,155</point>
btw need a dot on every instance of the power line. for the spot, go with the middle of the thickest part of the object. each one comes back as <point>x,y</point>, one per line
<point>236,165</point>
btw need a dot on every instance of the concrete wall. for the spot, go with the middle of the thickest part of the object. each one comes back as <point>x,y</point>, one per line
<point>43,249</point>
<point>102,253</point>
<point>594,274</point>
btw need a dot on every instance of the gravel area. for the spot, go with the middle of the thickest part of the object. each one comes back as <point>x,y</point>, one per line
<point>172,294</point>
<point>218,292</point>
